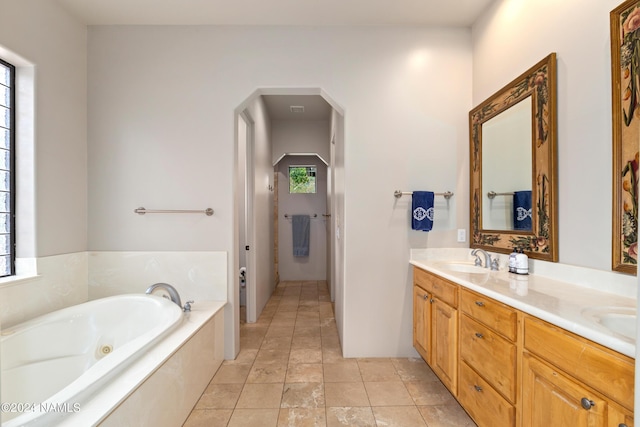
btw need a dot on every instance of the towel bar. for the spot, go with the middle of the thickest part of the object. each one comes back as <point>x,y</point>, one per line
<point>493,194</point>
<point>142,211</point>
<point>397,194</point>
<point>312,216</point>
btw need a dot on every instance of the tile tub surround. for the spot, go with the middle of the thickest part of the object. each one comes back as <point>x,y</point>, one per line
<point>61,281</point>
<point>196,275</point>
<point>290,372</point>
<point>555,293</point>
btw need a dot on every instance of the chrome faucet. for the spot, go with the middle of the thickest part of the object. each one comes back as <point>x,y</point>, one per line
<point>173,293</point>
<point>488,263</point>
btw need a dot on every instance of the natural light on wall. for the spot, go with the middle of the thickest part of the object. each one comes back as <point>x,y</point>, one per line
<point>418,59</point>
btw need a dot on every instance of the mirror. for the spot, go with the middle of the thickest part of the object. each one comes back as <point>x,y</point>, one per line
<point>513,166</point>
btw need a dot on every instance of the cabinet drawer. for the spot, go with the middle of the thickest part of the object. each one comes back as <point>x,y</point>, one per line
<point>483,403</point>
<point>489,354</point>
<point>495,315</point>
<point>608,372</point>
<point>440,288</point>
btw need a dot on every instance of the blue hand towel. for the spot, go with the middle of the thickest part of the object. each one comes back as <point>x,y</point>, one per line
<point>422,210</point>
<point>300,229</point>
<point>522,210</point>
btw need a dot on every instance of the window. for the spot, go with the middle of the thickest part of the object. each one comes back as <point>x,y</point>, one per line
<point>302,179</point>
<point>7,180</point>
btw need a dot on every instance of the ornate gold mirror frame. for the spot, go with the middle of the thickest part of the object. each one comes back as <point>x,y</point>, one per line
<point>541,242</point>
<point>625,79</point>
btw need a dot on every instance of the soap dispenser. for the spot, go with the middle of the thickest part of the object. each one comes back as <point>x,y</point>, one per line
<point>522,262</point>
<point>512,261</point>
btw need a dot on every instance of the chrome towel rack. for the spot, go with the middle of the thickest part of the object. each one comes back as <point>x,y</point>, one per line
<point>142,211</point>
<point>493,194</point>
<point>397,194</point>
<point>312,216</point>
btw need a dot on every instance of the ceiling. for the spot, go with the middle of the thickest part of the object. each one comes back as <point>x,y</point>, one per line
<point>315,107</point>
<point>458,13</point>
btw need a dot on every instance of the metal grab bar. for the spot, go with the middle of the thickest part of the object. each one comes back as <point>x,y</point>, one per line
<point>493,194</point>
<point>397,194</point>
<point>142,211</point>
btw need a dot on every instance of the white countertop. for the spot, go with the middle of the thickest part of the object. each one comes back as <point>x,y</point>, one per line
<point>558,302</point>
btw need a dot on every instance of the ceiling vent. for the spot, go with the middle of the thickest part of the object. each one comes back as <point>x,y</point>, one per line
<point>297,108</point>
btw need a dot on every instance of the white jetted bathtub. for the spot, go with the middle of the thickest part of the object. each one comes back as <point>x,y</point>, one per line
<point>54,364</point>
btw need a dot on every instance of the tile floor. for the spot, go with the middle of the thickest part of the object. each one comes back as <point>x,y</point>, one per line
<point>290,372</point>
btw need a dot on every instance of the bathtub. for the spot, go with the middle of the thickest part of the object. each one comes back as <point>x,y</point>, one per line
<point>55,364</point>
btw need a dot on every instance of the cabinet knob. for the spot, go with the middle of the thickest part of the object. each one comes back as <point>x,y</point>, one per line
<point>431,300</point>
<point>479,335</point>
<point>425,296</point>
<point>479,303</point>
<point>622,425</point>
<point>478,388</point>
<point>587,403</point>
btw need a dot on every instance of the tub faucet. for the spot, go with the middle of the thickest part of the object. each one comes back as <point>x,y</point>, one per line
<point>173,293</point>
<point>487,259</point>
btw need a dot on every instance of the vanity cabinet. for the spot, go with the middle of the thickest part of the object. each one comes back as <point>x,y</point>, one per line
<point>488,360</point>
<point>435,328</point>
<point>580,382</point>
<point>508,368</point>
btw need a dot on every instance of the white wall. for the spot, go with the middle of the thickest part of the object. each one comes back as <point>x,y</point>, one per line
<point>516,35</point>
<point>263,241</point>
<point>312,267</point>
<point>55,44</point>
<point>161,103</point>
<point>300,136</point>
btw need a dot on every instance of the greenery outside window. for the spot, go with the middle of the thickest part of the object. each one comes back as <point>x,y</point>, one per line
<point>7,160</point>
<point>302,179</point>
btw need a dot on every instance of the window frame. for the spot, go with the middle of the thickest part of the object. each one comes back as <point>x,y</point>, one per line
<point>12,172</point>
<point>307,167</point>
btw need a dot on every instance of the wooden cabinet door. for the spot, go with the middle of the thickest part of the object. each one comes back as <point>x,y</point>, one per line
<point>421,322</point>
<point>619,417</point>
<point>553,399</point>
<point>444,343</point>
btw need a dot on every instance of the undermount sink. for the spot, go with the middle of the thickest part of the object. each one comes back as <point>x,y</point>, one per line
<point>619,320</point>
<point>463,267</point>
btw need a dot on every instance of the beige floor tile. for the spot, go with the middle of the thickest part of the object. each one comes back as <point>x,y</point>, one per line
<point>220,396</point>
<point>308,342</point>
<point>388,394</point>
<point>290,372</point>
<point>276,343</point>
<point>267,373</point>
<point>304,373</point>
<point>254,418</point>
<point>279,331</point>
<point>377,370</point>
<point>232,374</point>
<point>208,418</point>
<point>332,355</point>
<point>399,416</point>
<point>352,417</point>
<point>446,416</point>
<point>429,393</point>
<point>307,331</point>
<point>346,394</point>
<point>260,396</point>
<point>272,356</point>
<point>302,417</point>
<point>246,355</point>
<point>414,370</point>
<point>342,372</point>
<point>305,356</point>
<point>303,395</point>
